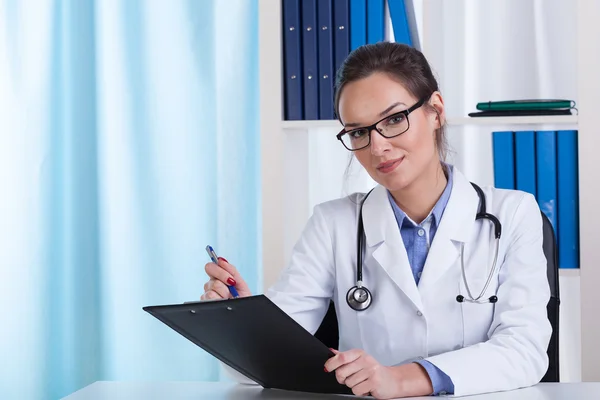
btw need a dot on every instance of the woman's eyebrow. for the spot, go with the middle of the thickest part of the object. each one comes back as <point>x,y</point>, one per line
<point>381,114</point>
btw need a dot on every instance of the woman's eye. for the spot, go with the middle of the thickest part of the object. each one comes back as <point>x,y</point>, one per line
<point>357,134</point>
<point>395,119</point>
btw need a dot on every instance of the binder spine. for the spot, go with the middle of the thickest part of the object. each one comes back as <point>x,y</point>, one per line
<point>568,199</point>
<point>358,23</point>
<point>325,19</point>
<point>400,22</point>
<point>310,64</point>
<point>292,62</point>
<point>375,21</point>
<point>341,33</point>
<point>525,161</point>
<point>503,144</point>
<point>545,144</point>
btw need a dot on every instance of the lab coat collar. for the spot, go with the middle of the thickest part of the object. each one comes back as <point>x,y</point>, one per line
<point>381,230</point>
<point>379,219</point>
<point>455,228</point>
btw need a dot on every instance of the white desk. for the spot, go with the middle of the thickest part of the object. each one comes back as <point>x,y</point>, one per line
<point>227,391</point>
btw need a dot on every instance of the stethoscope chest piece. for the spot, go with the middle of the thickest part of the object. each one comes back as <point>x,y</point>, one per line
<point>359,298</point>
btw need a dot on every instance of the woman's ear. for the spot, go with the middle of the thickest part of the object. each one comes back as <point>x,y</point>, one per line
<point>437,102</point>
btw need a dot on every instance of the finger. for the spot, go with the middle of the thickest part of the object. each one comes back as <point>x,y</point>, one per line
<point>240,283</point>
<point>217,272</point>
<point>223,263</point>
<point>356,378</point>
<point>232,270</point>
<point>342,358</point>
<point>210,295</point>
<point>343,373</point>
<point>219,287</point>
<point>363,389</point>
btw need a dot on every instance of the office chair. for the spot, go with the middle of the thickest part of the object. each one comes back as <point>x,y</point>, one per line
<point>552,374</point>
<point>328,331</point>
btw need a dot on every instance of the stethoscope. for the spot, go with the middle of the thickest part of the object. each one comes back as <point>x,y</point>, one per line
<point>359,298</point>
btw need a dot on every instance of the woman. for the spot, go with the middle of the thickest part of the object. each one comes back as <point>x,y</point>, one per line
<point>421,334</point>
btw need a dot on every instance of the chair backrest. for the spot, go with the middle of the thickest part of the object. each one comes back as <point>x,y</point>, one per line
<point>328,331</point>
<point>550,251</point>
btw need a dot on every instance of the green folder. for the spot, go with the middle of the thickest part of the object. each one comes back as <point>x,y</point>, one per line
<point>534,104</point>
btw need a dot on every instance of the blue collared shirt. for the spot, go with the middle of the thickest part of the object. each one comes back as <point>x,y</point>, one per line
<point>417,238</point>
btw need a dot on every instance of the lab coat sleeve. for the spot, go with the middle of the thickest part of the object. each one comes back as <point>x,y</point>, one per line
<point>515,355</point>
<point>305,287</point>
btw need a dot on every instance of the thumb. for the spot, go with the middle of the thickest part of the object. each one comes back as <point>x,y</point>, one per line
<point>334,351</point>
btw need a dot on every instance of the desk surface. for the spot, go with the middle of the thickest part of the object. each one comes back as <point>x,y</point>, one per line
<point>227,391</point>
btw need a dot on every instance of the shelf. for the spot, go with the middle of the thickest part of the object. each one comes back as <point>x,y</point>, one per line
<point>569,272</point>
<point>312,124</point>
<point>461,121</point>
<point>529,120</point>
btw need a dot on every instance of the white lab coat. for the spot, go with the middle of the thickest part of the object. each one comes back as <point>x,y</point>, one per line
<point>481,347</point>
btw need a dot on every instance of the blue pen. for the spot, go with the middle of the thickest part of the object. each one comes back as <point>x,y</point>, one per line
<point>215,259</point>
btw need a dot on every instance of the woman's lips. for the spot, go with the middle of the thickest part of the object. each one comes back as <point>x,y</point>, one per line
<point>389,166</point>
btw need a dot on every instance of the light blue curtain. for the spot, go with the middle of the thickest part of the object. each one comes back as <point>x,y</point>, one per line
<point>128,142</point>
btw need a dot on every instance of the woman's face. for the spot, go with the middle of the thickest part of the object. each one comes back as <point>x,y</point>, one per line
<point>399,161</point>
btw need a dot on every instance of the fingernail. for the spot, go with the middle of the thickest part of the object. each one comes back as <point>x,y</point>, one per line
<point>222,259</point>
<point>231,281</point>
<point>325,369</point>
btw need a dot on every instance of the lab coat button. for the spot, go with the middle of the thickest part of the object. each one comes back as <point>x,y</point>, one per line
<point>419,313</point>
<point>419,358</point>
<point>443,393</point>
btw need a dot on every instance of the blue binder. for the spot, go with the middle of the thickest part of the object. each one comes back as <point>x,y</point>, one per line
<point>400,23</point>
<point>375,21</point>
<point>341,33</point>
<point>293,107</point>
<point>545,145</point>
<point>325,19</point>
<point>358,23</point>
<point>310,64</point>
<point>568,199</point>
<point>503,144</point>
<point>525,161</point>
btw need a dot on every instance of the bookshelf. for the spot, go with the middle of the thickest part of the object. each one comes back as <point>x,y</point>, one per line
<point>286,163</point>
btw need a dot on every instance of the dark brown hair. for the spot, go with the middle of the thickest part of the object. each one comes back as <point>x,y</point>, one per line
<point>402,63</point>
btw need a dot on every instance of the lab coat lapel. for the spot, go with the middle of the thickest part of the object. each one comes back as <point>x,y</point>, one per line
<point>454,228</point>
<point>383,237</point>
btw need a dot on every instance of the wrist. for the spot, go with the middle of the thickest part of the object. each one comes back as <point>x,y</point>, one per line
<point>413,380</point>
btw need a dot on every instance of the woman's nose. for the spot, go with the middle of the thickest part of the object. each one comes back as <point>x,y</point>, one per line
<point>379,144</point>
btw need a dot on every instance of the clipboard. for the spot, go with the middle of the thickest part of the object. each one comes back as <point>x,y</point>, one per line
<point>256,338</point>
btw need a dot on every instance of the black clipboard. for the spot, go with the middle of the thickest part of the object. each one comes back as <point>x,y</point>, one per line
<point>256,338</point>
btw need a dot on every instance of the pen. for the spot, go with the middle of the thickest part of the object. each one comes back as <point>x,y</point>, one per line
<point>215,259</point>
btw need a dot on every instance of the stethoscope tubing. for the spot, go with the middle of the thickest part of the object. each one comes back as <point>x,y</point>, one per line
<point>481,214</point>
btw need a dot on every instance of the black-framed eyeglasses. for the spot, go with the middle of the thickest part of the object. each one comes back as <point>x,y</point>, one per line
<point>388,127</point>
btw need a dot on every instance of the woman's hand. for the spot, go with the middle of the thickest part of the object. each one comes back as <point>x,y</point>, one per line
<point>221,275</point>
<point>364,375</point>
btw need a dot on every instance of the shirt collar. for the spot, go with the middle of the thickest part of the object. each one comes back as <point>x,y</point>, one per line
<point>438,209</point>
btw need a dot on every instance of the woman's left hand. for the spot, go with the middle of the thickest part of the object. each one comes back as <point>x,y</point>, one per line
<point>365,376</point>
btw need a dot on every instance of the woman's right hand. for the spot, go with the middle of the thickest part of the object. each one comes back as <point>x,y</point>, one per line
<point>221,275</point>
